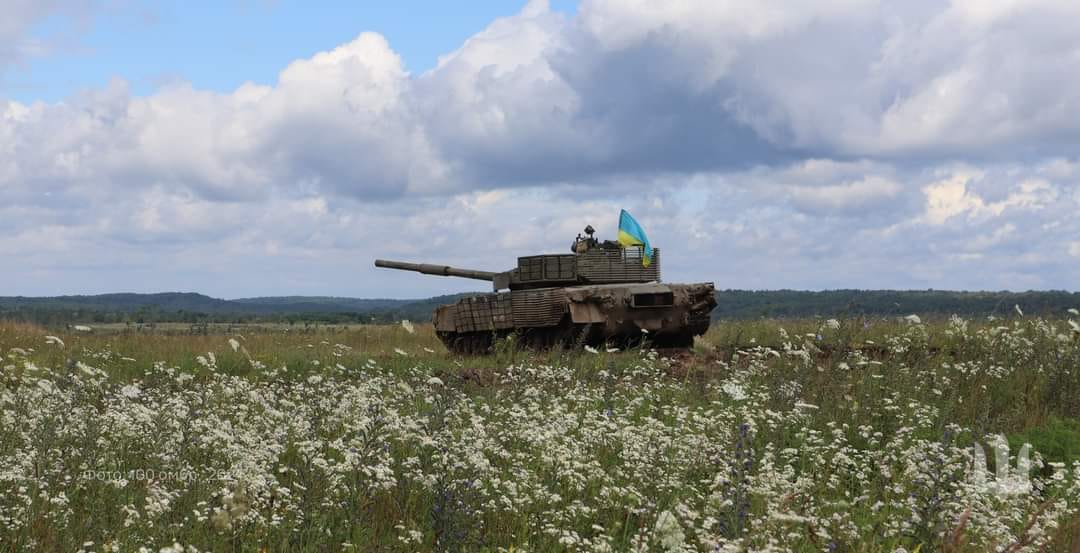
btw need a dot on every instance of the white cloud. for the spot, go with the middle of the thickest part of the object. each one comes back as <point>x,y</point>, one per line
<point>769,144</point>
<point>950,197</point>
<point>623,88</point>
<point>858,196</point>
<point>724,227</point>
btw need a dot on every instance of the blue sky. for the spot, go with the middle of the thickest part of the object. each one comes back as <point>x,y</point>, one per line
<point>220,45</point>
<point>276,148</point>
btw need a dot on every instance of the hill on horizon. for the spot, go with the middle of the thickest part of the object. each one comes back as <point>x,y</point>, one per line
<point>194,307</point>
<point>732,304</point>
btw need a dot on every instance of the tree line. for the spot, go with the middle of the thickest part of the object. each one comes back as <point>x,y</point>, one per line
<point>731,305</point>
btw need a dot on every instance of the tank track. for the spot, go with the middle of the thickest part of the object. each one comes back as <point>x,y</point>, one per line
<point>468,343</point>
<point>565,335</point>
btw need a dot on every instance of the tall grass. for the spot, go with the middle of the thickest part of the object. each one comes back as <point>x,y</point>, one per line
<point>798,435</point>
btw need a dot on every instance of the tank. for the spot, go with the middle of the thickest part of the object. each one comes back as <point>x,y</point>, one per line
<point>599,294</point>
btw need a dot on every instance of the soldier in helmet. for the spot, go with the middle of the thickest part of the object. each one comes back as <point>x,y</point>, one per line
<point>584,244</point>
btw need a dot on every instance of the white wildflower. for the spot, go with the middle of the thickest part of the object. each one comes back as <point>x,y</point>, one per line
<point>314,380</point>
<point>591,349</point>
<point>408,326</point>
<point>734,390</point>
<point>668,533</point>
<point>1018,310</point>
<point>435,381</point>
<point>82,328</point>
<point>832,323</point>
<point>806,406</point>
<point>913,319</point>
<point>234,344</point>
<point>131,391</point>
<point>54,340</point>
<point>429,350</point>
<point>1074,311</point>
<point>612,350</point>
<point>85,369</point>
<point>400,351</point>
<point>789,517</point>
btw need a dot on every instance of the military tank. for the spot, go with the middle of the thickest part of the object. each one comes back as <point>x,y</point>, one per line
<point>599,294</point>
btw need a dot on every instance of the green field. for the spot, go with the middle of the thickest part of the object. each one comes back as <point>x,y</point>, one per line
<point>807,435</point>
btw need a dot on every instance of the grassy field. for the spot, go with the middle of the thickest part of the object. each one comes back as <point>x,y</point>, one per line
<point>810,435</point>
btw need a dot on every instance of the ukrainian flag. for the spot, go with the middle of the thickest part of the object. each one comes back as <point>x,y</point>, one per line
<point>631,234</point>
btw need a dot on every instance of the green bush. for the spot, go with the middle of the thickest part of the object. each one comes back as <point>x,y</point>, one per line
<point>1058,440</point>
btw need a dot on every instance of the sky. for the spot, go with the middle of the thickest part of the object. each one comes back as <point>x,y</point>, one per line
<point>260,147</point>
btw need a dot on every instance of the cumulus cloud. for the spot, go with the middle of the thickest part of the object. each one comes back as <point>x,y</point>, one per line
<point>622,88</point>
<point>776,144</point>
<point>339,121</point>
<point>951,197</point>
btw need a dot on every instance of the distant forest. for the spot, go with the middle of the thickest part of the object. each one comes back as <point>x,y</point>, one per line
<point>732,304</point>
<point>197,308</point>
<point>747,304</point>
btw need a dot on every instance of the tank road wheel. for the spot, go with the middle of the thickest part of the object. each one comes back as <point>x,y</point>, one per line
<point>467,343</point>
<point>462,345</point>
<point>455,343</point>
<point>682,340</point>
<point>481,343</point>
<point>572,336</point>
<point>532,338</point>
<point>474,343</point>
<point>541,338</point>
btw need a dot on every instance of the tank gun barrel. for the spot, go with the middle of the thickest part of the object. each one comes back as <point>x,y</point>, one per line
<point>440,270</point>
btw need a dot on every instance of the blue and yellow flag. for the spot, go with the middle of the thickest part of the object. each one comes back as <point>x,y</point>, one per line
<point>631,234</point>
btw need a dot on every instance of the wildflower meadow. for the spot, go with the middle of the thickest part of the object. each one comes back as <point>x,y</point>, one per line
<point>831,435</point>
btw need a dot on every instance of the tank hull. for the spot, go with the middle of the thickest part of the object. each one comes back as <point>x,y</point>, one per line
<point>664,315</point>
